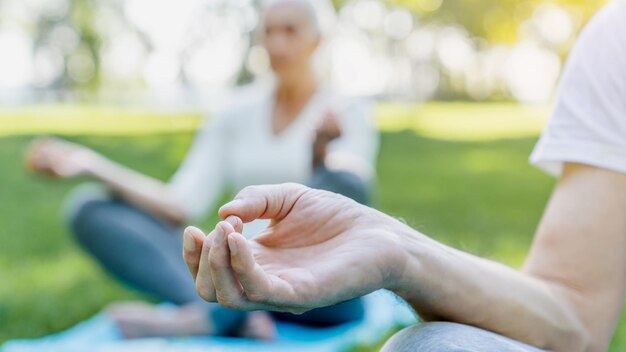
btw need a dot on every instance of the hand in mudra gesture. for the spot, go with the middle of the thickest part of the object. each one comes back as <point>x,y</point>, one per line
<point>319,249</point>
<point>59,158</point>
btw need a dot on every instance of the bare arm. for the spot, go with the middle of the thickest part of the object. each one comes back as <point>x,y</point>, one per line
<point>570,292</point>
<point>580,246</point>
<point>141,190</point>
<point>64,159</point>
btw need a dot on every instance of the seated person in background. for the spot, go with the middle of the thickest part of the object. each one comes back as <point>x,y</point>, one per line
<point>323,248</point>
<point>286,129</point>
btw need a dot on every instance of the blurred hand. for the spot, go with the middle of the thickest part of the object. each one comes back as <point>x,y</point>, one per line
<point>59,158</point>
<point>326,132</point>
<point>320,249</point>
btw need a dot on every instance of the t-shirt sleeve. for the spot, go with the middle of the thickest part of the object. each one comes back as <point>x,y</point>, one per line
<point>198,182</point>
<point>588,123</point>
<point>357,148</point>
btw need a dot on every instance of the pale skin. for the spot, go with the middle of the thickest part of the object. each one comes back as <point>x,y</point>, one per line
<point>290,39</point>
<point>322,248</point>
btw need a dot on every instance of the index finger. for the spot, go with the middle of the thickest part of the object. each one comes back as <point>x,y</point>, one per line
<point>263,202</point>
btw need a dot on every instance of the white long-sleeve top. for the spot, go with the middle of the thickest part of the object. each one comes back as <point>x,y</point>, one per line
<point>238,148</point>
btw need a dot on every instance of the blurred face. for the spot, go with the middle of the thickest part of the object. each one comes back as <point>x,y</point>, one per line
<point>289,38</point>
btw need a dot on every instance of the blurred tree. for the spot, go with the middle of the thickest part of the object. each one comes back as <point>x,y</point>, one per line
<point>71,32</point>
<point>84,65</point>
<point>496,21</point>
<point>76,34</point>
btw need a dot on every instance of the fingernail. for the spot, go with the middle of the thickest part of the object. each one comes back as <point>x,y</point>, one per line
<point>189,242</point>
<point>218,237</point>
<point>232,245</point>
<point>232,220</point>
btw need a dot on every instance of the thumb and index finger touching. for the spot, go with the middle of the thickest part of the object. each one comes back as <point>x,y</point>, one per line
<point>255,202</point>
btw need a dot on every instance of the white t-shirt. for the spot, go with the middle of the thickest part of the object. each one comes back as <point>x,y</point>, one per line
<point>238,148</point>
<point>588,124</point>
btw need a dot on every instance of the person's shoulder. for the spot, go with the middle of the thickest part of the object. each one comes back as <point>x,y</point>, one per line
<point>597,58</point>
<point>614,10</point>
<point>608,25</point>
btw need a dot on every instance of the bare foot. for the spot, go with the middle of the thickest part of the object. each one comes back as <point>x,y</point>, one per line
<point>259,325</point>
<point>139,319</point>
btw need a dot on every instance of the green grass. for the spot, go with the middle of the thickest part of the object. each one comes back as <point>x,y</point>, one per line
<point>444,168</point>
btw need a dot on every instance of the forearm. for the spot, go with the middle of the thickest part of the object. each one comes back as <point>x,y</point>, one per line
<point>442,283</point>
<point>141,190</point>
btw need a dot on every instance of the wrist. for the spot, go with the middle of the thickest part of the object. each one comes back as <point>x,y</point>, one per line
<point>406,273</point>
<point>92,162</point>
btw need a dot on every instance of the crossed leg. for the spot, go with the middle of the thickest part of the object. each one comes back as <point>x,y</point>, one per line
<point>452,337</point>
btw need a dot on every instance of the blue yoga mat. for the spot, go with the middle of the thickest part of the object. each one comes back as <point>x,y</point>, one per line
<point>99,334</point>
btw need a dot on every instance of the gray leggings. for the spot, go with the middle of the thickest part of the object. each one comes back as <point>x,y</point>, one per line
<point>144,252</point>
<point>452,337</point>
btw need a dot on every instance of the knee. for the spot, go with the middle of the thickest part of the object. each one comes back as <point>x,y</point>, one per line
<point>430,337</point>
<point>82,205</point>
<point>342,182</point>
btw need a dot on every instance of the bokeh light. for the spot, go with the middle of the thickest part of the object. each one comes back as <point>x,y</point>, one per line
<point>15,60</point>
<point>425,49</point>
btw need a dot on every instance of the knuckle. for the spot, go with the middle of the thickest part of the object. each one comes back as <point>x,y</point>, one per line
<point>255,297</point>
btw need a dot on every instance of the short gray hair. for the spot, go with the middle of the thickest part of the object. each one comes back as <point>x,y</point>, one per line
<point>306,5</point>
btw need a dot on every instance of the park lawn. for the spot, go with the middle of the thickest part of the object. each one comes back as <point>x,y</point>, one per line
<point>457,172</point>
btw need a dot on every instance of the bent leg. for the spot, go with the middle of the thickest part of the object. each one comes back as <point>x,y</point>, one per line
<point>337,314</point>
<point>141,250</point>
<point>134,246</point>
<point>343,182</point>
<point>452,337</point>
